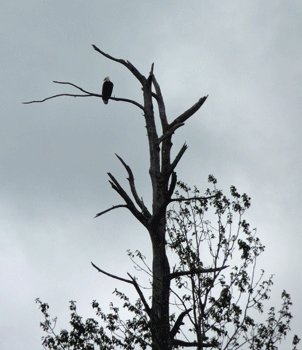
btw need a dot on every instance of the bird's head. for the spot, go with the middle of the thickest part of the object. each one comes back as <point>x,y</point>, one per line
<point>107,79</point>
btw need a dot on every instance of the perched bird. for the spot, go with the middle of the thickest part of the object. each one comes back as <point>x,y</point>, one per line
<point>107,90</point>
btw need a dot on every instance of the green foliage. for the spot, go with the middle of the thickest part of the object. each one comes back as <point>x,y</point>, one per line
<point>215,284</point>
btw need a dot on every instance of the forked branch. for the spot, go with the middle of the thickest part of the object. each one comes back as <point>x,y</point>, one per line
<point>132,281</point>
<point>139,201</point>
<point>130,205</point>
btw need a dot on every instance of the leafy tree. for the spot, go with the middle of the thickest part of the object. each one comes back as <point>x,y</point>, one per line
<point>214,308</point>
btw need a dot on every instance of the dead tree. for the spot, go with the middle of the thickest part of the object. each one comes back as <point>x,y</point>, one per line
<point>163,179</point>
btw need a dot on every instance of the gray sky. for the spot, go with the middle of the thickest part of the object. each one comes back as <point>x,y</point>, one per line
<point>55,156</point>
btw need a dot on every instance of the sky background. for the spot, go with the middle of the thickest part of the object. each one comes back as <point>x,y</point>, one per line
<point>55,156</point>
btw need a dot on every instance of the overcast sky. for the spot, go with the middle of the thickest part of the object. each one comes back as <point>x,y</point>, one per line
<point>55,156</point>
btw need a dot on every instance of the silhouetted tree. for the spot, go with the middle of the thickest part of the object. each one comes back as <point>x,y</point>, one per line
<point>209,300</point>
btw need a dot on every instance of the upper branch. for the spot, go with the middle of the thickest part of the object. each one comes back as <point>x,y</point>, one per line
<point>127,64</point>
<point>87,94</point>
<point>161,105</point>
<point>188,113</point>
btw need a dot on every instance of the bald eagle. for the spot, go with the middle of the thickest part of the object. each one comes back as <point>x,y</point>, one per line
<point>107,90</point>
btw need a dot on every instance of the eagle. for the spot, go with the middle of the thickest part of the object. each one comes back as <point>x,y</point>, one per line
<point>107,90</point>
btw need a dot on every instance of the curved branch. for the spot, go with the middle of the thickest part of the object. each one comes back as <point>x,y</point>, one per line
<point>141,295</point>
<point>113,207</point>
<point>196,271</point>
<point>127,64</point>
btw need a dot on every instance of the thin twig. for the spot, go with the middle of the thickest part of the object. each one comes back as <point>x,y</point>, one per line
<point>110,275</point>
<point>113,207</point>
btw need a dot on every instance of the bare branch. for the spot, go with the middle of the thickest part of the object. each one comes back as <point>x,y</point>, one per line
<point>193,198</point>
<point>177,342</point>
<point>188,113</point>
<point>177,158</point>
<point>196,271</point>
<point>141,295</point>
<point>130,205</point>
<point>59,95</point>
<point>178,323</point>
<point>161,106</point>
<point>139,201</point>
<point>88,94</point>
<point>172,186</point>
<point>110,275</point>
<point>127,64</point>
<point>113,207</point>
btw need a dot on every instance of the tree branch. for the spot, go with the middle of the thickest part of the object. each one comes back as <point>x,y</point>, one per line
<point>133,282</point>
<point>170,132</point>
<point>113,207</point>
<point>172,186</point>
<point>177,342</point>
<point>141,295</point>
<point>88,94</point>
<point>110,275</point>
<point>178,323</point>
<point>130,205</point>
<point>177,158</point>
<point>188,113</point>
<point>127,64</point>
<point>196,271</point>
<point>139,201</point>
<point>193,198</point>
<point>161,105</point>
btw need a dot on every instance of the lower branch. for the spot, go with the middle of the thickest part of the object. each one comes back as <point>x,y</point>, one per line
<point>193,198</point>
<point>178,323</point>
<point>177,342</point>
<point>197,271</point>
<point>132,281</point>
